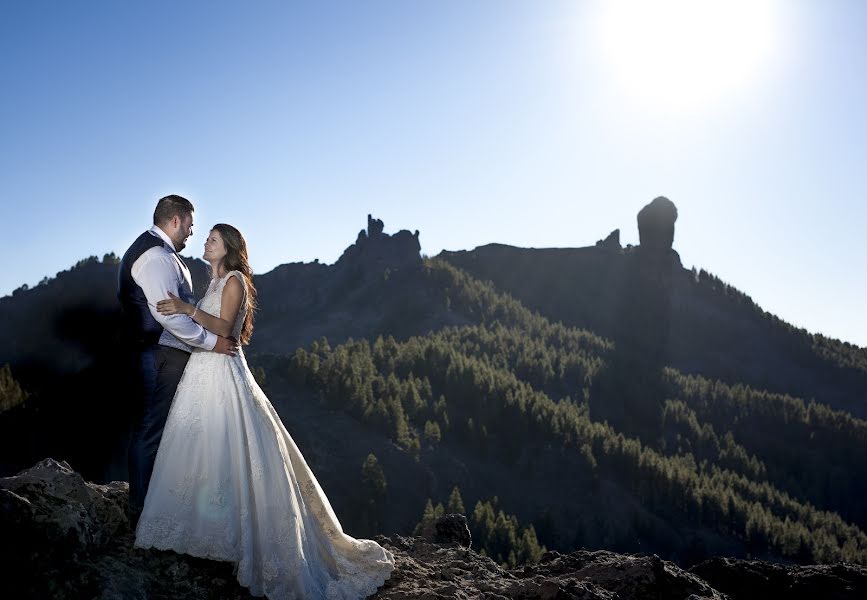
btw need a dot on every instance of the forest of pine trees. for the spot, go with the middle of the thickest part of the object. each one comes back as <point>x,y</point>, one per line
<point>400,388</point>
<point>516,381</point>
<point>812,452</point>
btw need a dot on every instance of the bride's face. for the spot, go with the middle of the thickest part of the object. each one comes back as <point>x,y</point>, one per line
<point>215,249</point>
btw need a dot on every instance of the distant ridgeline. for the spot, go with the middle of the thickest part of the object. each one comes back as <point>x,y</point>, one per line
<point>602,397</point>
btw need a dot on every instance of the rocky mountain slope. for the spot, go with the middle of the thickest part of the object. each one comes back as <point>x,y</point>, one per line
<point>644,299</point>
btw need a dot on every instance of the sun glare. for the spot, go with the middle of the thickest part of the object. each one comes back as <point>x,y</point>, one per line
<point>686,54</point>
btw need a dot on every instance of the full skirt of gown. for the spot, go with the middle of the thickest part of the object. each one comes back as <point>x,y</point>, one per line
<point>230,484</point>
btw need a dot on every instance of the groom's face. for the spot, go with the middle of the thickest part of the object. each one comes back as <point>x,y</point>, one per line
<point>184,230</point>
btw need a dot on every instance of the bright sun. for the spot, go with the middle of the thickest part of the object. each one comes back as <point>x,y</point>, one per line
<point>686,54</point>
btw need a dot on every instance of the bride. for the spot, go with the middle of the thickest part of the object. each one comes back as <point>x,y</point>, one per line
<point>229,483</point>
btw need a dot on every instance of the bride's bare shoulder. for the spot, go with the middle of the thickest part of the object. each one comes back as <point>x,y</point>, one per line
<point>234,284</point>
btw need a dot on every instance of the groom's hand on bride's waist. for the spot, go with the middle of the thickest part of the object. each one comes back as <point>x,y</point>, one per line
<point>227,345</point>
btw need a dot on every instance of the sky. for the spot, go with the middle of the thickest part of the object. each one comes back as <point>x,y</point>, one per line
<point>535,124</point>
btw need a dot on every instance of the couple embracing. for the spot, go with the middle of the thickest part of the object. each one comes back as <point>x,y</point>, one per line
<point>213,471</point>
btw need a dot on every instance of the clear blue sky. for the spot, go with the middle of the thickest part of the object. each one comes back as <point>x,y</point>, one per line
<point>528,123</point>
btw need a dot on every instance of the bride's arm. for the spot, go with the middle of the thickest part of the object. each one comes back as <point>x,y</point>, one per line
<point>230,304</point>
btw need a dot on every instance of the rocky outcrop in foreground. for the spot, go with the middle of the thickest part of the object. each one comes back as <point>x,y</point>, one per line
<point>64,537</point>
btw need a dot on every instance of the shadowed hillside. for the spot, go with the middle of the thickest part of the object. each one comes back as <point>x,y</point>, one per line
<point>643,297</point>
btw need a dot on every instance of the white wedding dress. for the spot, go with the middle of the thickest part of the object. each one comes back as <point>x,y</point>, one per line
<point>230,484</point>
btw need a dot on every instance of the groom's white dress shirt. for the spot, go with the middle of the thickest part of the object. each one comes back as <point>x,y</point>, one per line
<point>158,271</point>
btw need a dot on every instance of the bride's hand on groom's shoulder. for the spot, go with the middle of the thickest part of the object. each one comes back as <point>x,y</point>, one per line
<point>174,306</point>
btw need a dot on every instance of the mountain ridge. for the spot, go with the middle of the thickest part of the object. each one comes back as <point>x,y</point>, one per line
<point>449,376</point>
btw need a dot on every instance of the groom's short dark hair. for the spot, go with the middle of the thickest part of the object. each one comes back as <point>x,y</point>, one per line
<point>171,205</point>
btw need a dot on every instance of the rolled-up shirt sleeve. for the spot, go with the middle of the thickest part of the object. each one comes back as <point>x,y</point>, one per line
<point>157,276</point>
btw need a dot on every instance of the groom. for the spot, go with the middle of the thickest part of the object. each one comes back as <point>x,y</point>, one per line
<point>159,345</point>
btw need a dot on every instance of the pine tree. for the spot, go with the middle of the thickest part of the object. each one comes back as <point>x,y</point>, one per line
<point>373,477</point>
<point>529,550</point>
<point>427,517</point>
<point>432,433</point>
<point>374,484</point>
<point>11,394</point>
<point>456,504</point>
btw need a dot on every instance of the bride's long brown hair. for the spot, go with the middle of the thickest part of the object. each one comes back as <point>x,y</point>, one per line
<point>236,260</point>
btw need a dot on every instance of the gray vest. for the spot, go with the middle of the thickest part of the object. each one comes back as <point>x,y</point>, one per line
<point>139,326</point>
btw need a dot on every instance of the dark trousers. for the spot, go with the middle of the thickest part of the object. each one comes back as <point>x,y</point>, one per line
<point>158,369</point>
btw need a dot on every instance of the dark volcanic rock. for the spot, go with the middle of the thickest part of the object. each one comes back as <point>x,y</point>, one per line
<point>612,242</point>
<point>375,251</point>
<point>656,224</point>
<point>55,504</point>
<point>453,528</point>
<point>744,579</point>
<point>625,576</point>
<point>448,528</point>
<point>64,537</point>
<point>378,286</point>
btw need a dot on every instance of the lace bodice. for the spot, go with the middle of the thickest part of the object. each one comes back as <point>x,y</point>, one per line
<point>212,301</point>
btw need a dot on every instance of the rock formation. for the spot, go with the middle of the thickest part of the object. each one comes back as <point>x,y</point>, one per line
<point>612,242</point>
<point>374,251</point>
<point>656,224</point>
<point>64,537</point>
<point>448,528</point>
